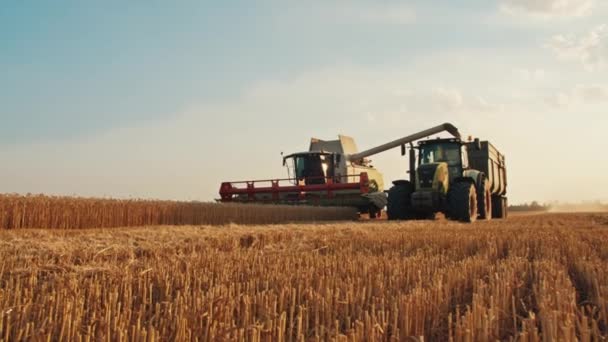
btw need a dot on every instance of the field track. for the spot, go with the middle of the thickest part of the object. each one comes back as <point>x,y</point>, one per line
<point>529,278</point>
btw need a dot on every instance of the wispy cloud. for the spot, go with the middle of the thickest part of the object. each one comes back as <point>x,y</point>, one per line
<point>590,48</point>
<point>581,94</point>
<point>531,75</point>
<point>548,8</point>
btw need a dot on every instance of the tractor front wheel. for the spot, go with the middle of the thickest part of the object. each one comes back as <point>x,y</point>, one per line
<point>399,206</point>
<point>462,201</point>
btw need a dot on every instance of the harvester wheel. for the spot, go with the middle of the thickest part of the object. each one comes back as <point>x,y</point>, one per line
<point>484,200</point>
<point>462,202</point>
<point>399,206</point>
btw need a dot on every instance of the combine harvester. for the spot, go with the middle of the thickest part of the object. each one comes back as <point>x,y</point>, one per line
<point>464,180</point>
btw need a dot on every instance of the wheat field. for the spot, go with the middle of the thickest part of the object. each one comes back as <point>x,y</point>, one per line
<point>56,212</point>
<point>529,278</point>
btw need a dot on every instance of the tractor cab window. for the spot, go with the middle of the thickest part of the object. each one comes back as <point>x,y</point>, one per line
<point>464,156</point>
<point>313,168</point>
<point>441,152</point>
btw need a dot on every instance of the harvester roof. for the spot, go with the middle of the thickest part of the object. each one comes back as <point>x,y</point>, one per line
<point>343,145</point>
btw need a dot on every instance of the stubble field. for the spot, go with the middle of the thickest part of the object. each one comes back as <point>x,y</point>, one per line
<point>529,278</point>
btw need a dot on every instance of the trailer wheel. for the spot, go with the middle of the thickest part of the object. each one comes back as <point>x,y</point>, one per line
<point>484,200</point>
<point>399,206</point>
<point>499,207</point>
<point>462,201</point>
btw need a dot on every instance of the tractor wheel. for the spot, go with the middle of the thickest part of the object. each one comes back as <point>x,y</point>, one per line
<point>499,207</point>
<point>462,202</point>
<point>484,200</point>
<point>424,216</point>
<point>374,212</point>
<point>399,206</point>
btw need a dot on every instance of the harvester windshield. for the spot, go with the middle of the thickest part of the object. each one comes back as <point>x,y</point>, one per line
<point>311,168</point>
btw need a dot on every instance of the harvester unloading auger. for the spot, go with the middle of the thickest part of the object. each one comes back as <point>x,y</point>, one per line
<point>464,180</point>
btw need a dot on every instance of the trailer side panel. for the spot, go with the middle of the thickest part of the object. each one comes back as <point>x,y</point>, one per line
<point>490,161</point>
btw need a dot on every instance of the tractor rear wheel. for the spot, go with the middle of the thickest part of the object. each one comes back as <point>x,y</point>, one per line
<point>484,200</point>
<point>399,206</point>
<point>462,202</point>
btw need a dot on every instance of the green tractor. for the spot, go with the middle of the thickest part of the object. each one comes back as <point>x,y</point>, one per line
<point>463,180</point>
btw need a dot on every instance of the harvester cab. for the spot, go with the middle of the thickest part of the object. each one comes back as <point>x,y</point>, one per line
<point>308,168</point>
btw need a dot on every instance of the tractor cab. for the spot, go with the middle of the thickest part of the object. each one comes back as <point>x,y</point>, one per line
<point>310,168</point>
<point>440,161</point>
<point>450,151</point>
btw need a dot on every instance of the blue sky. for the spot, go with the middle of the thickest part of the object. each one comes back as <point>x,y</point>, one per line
<point>165,100</point>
